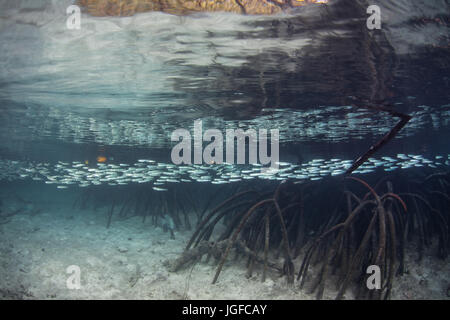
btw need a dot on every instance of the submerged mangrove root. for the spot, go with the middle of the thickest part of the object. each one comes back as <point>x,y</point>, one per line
<point>350,254</point>
<point>327,226</point>
<point>244,230</point>
<point>404,119</point>
<point>215,249</point>
<point>340,237</point>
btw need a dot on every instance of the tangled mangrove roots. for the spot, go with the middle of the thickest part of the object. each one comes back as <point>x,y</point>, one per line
<point>254,222</point>
<point>293,231</point>
<point>318,233</point>
<point>368,236</point>
<point>216,250</point>
<point>430,214</point>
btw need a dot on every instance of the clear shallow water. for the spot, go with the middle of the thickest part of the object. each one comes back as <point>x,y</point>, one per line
<point>120,86</point>
<point>86,118</point>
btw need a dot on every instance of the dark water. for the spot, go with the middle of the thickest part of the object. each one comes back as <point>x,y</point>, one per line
<point>118,87</point>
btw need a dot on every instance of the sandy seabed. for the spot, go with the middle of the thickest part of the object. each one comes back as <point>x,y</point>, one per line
<point>128,261</point>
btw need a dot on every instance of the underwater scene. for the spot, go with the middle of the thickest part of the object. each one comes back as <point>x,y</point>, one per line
<point>224,149</point>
